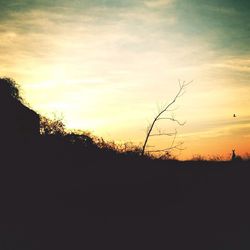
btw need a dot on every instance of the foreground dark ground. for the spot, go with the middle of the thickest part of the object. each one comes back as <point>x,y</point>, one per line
<point>56,197</point>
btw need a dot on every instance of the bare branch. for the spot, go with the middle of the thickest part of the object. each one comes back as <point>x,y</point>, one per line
<point>160,134</point>
<point>180,92</point>
<point>167,149</point>
<point>172,119</point>
<point>171,110</point>
<point>174,139</point>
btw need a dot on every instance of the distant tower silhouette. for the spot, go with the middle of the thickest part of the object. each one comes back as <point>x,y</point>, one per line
<point>233,155</point>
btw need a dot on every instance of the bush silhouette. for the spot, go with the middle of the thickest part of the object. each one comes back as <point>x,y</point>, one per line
<point>52,127</point>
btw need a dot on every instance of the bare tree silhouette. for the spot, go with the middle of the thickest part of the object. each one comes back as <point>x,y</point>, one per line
<point>182,86</point>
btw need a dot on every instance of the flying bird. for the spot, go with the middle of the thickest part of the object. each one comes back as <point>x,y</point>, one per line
<point>234,115</point>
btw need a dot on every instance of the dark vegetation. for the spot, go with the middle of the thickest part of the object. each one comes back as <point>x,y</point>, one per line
<point>69,190</point>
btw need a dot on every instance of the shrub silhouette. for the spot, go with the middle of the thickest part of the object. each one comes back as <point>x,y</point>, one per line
<point>52,127</point>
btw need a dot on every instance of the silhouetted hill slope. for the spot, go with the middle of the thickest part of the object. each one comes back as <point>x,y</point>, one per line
<point>18,122</point>
<point>63,190</point>
<point>56,197</point>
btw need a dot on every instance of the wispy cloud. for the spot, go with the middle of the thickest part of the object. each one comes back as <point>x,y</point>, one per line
<point>235,64</point>
<point>217,128</point>
<point>158,3</point>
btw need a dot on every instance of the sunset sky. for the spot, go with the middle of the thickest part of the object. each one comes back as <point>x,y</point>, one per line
<point>107,65</point>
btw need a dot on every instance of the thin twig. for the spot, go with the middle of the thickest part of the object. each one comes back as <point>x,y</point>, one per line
<point>160,134</point>
<point>172,119</point>
<point>166,149</point>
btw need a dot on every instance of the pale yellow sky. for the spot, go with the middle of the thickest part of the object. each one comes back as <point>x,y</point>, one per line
<point>106,67</point>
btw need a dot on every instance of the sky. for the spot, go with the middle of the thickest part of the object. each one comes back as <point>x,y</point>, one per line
<point>108,67</point>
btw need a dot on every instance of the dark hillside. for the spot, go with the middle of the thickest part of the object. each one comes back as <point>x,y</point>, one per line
<point>55,197</point>
<point>63,190</point>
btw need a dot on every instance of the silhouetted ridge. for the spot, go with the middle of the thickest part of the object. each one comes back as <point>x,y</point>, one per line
<point>71,190</point>
<point>17,120</point>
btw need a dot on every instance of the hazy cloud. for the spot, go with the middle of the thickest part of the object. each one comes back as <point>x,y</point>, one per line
<point>158,3</point>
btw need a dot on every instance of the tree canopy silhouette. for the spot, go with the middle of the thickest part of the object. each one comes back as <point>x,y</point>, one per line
<point>18,122</point>
<point>9,89</point>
